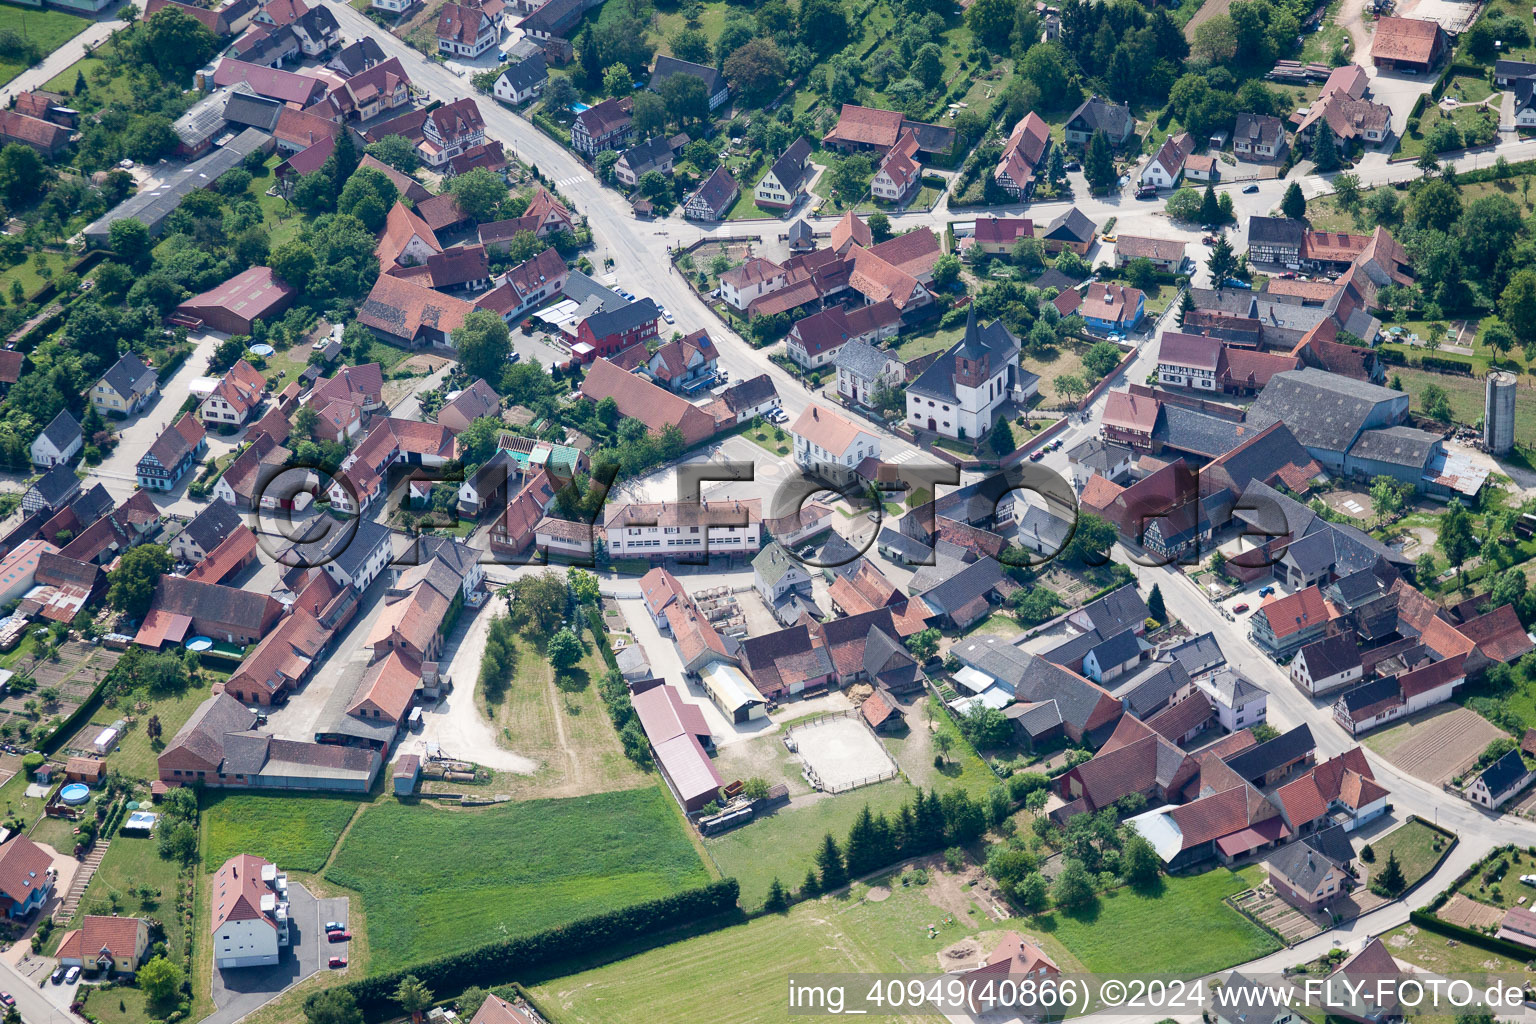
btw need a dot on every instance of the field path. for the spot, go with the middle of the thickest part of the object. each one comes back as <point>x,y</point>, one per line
<point>342,838</point>
<point>557,712</point>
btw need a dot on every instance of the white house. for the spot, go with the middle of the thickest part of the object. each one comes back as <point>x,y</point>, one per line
<point>1239,703</point>
<point>523,81</point>
<point>961,392</point>
<point>776,574</point>
<point>862,369</point>
<point>464,31</point>
<point>1327,665</point>
<point>696,530</point>
<point>831,445</point>
<point>250,913</point>
<point>750,281</point>
<point>1163,170</point>
<point>1500,780</point>
<point>58,442</point>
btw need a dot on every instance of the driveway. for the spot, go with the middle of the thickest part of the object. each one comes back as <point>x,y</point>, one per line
<point>239,991</point>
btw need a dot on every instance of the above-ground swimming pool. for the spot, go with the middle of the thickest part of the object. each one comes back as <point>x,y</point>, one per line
<point>75,793</point>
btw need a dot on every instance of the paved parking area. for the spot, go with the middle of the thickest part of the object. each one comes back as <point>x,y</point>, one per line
<point>539,347</point>
<point>343,667</point>
<point>239,991</point>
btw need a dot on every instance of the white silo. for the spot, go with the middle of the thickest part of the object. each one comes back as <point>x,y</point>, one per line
<point>1499,411</point>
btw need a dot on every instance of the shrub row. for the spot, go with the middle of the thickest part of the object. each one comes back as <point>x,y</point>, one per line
<point>494,962</point>
<point>1457,366</point>
<point>1503,947</point>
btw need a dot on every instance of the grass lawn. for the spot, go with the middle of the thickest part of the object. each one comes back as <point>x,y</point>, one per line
<point>136,753</point>
<point>745,207</point>
<point>764,439</point>
<point>1466,118</point>
<point>1414,843</point>
<point>1185,931</point>
<point>1466,398</point>
<point>132,866</point>
<point>737,975</point>
<point>1066,362</point>
<point>27,272</point>
<point>1509,888</point>
<point>914,751</point>
<point>561,725</point>
<point>16,803</point>
<point>934,339</point>
<point>121,1005</point>
<point>296,831</point>
<point>1319,45</point>
<point>436,881</point>
<point>282,220</point>
<point>1444,956</point>
<point>784,844</point>
<point>48,30</point>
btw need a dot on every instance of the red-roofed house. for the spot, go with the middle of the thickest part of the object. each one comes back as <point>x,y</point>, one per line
<point>102,943</point>
<point>996,235</point>
<point>410,315</point>
<point>240,392</point>
<point>1014,960</point>
<point>26,877</point>
<point>1285,625</point>
<point>1026,147</point>
<point>640,399</point>
<point>250,913</point>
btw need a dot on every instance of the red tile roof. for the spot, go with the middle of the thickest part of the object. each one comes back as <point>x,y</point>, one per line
<point>1295,612</point>
<point>237,891</point>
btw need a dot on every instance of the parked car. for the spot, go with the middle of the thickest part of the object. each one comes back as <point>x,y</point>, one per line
<point>1036,455</point>
<point>666,314</point>
<point>337,961</point>
<point>1109,238</point>
<point>1289,275</point>
<point>338,936</point>
<point>1241,609</point>
<point>7,999</point>
<point>1075,165</point>
<point>72,975</point>
<point>1249,190</point>
<point>335,926</point>
<point>58,974</point>
<point>1266,591</point>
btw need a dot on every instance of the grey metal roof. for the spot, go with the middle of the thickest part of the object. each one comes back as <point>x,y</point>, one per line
<point>527,73</point>
<point>203,120</point>
<point>151,206</point>
<point>1396,446</point>
<point>625,318</point>
<point>63,431</point>
<point>1504,773</point>
<point>1032,679</point>
<point>1149,690</point>
<point>579,288</point>
<point>1234,690</point>
<point>1276,231</point>
<point>938,380</point>
<point>1233,301</point>
<point>970,582</point>
<point>1268,513</point>
<point>908,549</point>
<point>1073,225</point>
<point>1116,610</point>
<point>129,376</point>
<point>1099,455</point>
<point>1117,649</point>
<point>253,111</point>
<point>1331,655</point>
<point>1198,655</point>
<point>1192,431</point>
<point>862,359</point>
<point>1282,750</point>
<point>1035,719</point>
<point>1324,410</point>
<point>1054,278</point>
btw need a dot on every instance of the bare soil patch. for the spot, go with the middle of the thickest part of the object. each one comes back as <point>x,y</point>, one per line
<point>1440,745</point>
<point>1469,913</point>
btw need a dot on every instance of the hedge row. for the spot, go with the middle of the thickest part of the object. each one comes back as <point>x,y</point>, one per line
<point>1457,366</point>
<point>1503,947</point>
<point>495,962</point>
<point>600,635</point>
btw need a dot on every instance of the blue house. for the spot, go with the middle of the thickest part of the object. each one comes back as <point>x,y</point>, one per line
<point>1108,308</point>
<point>26,877</point>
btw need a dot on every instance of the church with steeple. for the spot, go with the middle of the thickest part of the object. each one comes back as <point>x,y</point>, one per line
<point>960,394</point>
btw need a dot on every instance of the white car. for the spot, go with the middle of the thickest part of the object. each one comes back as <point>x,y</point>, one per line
<point>666,314</point>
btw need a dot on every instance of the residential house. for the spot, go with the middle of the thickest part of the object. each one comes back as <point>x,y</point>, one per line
<point>640,399</point>
<point>1164,254</point>
<point>608,332</point>
<point>865,129</point>
<point>1112,658</point>
<point>712,199</point>
<point>126,388</point>
<point>715,86</point>
<point>57,443</point>
<point>380,88</point>
<point>1258,137</point>
<point>522,81</point>
<point>1190,361</point>
<point>1112,308</point>
<point>1244,1001</point>
<point>996,235</point>
<point>658,530</point>
<point>1239,703</point>
<point>249,903</point>
<point>1327,665</point>
<point>1167,164</point>
<point>1495,785</point>
<point>1078,708</point>
<point>111,944</point>
<point>1099,115</point>
<point>642,158</point>
<point>450,130</point>
<point>475,401</point>
<point>863,369</point>
<point>527,286</point>
<point>787,663</point>
<point>1022,155</point>
<point>27,877</point>
<point>1135,759</point>
<point>183,608</point>
<point>1016,964</point>
<point>1306,873</point>
<point>1276,240</point>
<point>411,315</point>
<point>239,392</point>
<point>175,451</point>
<point>208,529</point>
<point>831,445</point>
<point>606,125</point>
<point>464,31</point>
<point>816,340</point>
<point>784,183</point>
<point>686,364</point>
<point>778,577</point>
<point>47,138</point>
<point>1070,230</point>
<point>898,173</point>
<point>1282,626</point>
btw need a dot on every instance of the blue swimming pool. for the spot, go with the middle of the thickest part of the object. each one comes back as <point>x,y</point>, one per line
<point>579,107</point>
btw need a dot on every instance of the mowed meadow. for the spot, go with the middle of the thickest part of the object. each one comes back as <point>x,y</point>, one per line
<point>436,881</point>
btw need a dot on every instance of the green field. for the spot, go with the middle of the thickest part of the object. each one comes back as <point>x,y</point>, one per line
<point>47,30</point>
<point>295,831</point>
<point>1184,931</point>
<point>1414,844</point>
<point>131,866</point>
<point>1444,956</point>
<point>436,881</point>
<point>1507,891</point>
<point>737,975</point>
<point>784,844</point>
